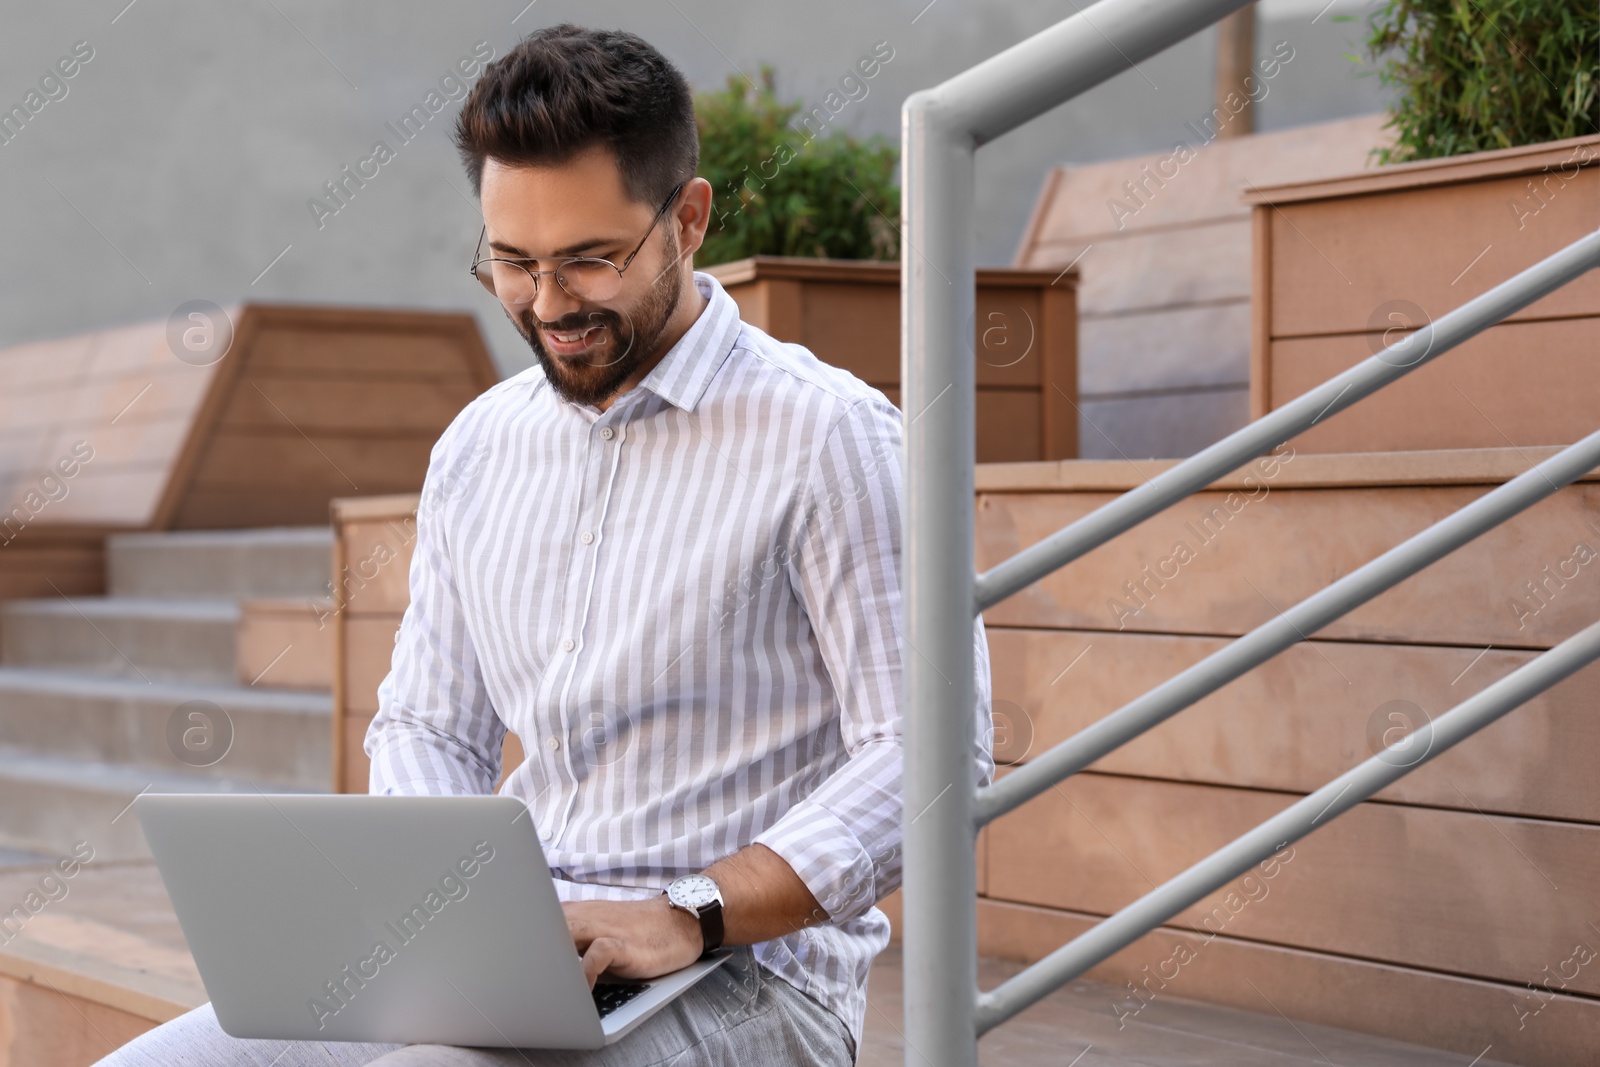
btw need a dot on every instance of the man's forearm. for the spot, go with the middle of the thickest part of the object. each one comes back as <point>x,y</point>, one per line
<point>762,896</point>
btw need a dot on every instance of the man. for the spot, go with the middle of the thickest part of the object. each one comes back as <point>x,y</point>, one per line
<point>665,557</point>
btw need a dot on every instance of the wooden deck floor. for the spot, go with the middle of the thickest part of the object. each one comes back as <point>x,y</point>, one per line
<point>112,945</point>
<point>1079,1027</point>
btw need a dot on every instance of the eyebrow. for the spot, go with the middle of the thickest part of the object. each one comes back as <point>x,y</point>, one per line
<point>560,253</point>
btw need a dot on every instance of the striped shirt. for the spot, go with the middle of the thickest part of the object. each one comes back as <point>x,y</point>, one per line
<point>687,608</point>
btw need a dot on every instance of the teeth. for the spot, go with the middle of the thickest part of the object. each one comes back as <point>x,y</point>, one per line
<point>568,338</point>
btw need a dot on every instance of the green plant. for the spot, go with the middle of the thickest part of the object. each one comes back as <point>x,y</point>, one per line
<point>1483,74</point>
<point>792,189</point>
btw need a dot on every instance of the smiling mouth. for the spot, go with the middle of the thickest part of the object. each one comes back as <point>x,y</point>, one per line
<point>571,342</point>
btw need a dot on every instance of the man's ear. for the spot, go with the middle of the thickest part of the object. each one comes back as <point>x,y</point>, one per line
<point>692,216</point>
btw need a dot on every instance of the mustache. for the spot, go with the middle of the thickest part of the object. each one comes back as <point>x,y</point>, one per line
<point>579,321</point>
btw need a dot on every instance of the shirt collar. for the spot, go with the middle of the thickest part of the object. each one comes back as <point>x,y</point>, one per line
<point>685,372</point>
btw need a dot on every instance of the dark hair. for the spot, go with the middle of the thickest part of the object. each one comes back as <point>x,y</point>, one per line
<point>565,88</point>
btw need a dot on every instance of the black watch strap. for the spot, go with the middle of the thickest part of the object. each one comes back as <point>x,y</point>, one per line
<point>711,926</point>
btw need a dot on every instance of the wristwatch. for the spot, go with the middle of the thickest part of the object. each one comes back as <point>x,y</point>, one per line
<point>699,895</point>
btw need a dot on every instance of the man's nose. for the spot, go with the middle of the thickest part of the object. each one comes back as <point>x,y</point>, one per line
<point>551,302</point>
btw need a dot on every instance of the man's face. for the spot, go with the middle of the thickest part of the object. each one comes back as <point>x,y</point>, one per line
<point>580,208</point>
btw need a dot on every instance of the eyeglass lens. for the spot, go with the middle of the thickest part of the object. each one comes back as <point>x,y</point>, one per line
<point>583,279</point>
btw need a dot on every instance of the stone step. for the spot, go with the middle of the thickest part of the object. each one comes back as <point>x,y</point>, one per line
<point>142,638</point>
<point>278,737</point>
<point>52,802</point>
<point>230,564</point>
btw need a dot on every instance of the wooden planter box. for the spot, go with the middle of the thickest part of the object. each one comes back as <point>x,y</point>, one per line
<point>1339,261</point>
<point>847,312</point>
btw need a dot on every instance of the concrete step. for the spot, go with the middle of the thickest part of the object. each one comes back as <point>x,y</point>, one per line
<point>143,638</point>
<point>231,564</point>
<point>278,737</point>
<point>52,802</point>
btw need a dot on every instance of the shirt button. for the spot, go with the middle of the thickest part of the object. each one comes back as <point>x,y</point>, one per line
<point>588,537</point>
<point>552,743</point>
<point>567,645</point>
<point>607,432</point>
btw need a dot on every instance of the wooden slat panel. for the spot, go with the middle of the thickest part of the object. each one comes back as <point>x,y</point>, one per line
<point>150,416</point>
<point>139,396</point>
<point>320,406</point>
<point>100,494</point>
<point>1058,405</point>
<point>369,653</point>
<point>45,569</point>
<point>1543,1029</point>
<point>397,506</point>
<point>42,1025</point>
<point>1526,383</point>
<point>1307,715</point>
<point>1259,557</point>
<point>1543,158</point>
<point>857,327</point>
<point>853,326</point>
<point>128,443</point>
<point>286,459</point>
<point>1430,467</point>
<point>286,643</point>
<point>113,351</point>
<point>378,565</point>
<point>218,508</point>
<point>357,767</point>
<point>1333,266</point>
<point>1009,424</point>
<point>1483,895</point>
<point>368,347</point>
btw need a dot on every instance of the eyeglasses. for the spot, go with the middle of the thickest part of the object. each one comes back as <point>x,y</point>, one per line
<point>583,277</point>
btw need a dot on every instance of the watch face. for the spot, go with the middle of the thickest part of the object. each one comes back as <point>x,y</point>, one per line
<point>693,891</point>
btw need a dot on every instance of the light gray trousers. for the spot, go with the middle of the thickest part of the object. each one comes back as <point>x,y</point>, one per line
<point>739,1015</point>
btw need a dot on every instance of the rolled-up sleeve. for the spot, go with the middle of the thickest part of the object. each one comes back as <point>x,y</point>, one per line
<point>436,731</point>
<point>843,838</point>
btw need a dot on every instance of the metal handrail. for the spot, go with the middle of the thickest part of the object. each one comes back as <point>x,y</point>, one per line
<point>941,130</point>
<point>1294,822</point>
<point>1288,627</point>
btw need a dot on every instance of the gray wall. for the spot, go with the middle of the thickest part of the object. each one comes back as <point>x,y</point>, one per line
<point>179,163</point>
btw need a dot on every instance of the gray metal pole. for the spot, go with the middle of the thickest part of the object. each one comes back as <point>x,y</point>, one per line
<point>1303,619</point>
<point>1267,432</point>
<point>1291,824</point>
<point>938,399</point>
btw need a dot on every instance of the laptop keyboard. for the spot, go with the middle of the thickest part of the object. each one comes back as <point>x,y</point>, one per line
<point>609,996</point>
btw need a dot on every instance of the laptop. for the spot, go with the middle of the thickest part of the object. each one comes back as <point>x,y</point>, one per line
<point>411,919</point>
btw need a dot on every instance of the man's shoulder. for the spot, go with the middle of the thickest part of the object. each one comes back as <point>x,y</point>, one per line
<point>792,378</point>
<point>500,395</point>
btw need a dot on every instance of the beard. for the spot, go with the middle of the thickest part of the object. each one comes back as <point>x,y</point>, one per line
<point>625,339</point>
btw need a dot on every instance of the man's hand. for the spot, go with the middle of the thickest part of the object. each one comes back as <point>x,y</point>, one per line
<point>633,938</point>
<point>762,898</point>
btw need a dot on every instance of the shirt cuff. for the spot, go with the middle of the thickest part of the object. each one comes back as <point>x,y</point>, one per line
<point>827,856</point>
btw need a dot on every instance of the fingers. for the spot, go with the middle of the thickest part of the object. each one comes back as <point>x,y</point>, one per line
<point>601,953</point>
<point>583,933</point>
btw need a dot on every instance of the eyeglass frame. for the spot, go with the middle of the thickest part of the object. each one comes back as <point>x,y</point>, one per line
<point>534,274</point>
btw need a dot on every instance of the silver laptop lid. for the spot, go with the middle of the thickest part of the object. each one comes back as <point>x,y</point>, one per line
<point>368,918</point>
